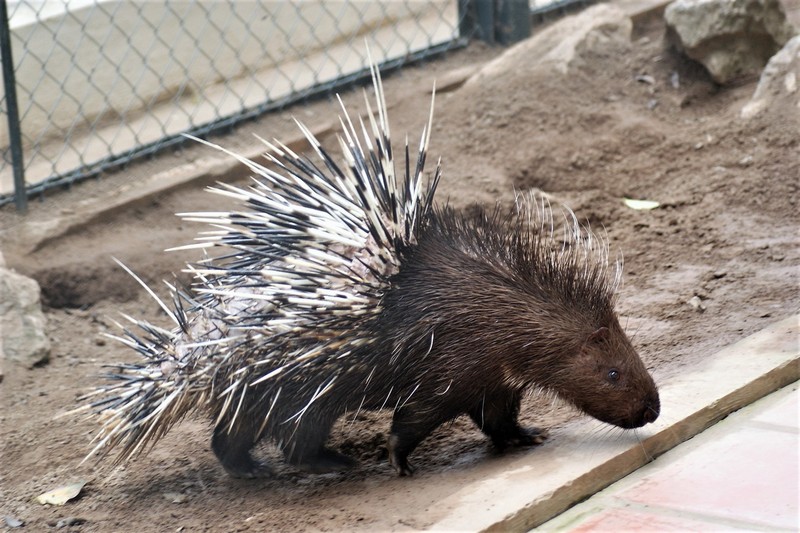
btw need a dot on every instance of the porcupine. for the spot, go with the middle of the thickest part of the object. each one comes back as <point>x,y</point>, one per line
<point>341,287</point>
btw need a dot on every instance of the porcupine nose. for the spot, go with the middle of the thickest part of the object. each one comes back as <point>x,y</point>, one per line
<point>652,408</point>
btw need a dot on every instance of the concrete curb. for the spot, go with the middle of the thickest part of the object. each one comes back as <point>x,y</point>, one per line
<point>543,484</point>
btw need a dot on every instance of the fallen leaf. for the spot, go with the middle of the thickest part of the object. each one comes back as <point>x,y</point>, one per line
<point>640,205</point>
<point>61,495</point>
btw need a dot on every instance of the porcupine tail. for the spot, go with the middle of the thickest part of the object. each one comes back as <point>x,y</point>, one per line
<point>142,400</point>
<point>312,247</point>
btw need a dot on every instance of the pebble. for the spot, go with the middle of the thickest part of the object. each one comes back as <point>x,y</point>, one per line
<point>697,304</point>
<point>13,522</point>
<point>675,80</point>
<point>67,522</point>
<point>175,497</point>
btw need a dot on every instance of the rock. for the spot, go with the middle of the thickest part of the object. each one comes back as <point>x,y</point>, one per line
<point>69,522</point>
<point>13,522</point>
<point>778,81</point>
<point>568,44</point>
<point>22,323</point>
<point>453,79</point>
<point>731,38</point>
<point>697,304</point>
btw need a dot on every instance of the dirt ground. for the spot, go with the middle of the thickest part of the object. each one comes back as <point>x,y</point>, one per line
<point>726,232</point>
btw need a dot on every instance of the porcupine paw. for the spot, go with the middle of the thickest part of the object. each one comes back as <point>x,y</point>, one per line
<point>325,461</point>
<point>401,464</point>
<point>398,459</point>
<point>521,437</point>
<point>249,469</point>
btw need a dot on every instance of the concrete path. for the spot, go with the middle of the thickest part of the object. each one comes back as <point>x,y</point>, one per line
<point>739,475</point>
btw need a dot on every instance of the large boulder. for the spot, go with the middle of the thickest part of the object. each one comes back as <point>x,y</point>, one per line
<point>731,38</point>
<point>778,83</point>
<point>22,323</point>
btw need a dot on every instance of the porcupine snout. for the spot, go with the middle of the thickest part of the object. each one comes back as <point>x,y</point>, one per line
<point>652,408</point>
<point>644,407</point>
<point>647,412</point>
<point>639,413</point>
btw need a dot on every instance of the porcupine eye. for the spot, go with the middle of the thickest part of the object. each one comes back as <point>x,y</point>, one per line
<point>613,375</point>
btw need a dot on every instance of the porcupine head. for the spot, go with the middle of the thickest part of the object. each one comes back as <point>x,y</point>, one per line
<point>510,302</point>
<point>607,380</point>
<point>569,334</point>
<point>599,370</point>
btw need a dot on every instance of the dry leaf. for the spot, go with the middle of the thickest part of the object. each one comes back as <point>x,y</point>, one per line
<point>61,495</point>
<point>640,205</point>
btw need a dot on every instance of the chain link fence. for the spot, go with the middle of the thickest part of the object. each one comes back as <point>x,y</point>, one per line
<point>101,82</point>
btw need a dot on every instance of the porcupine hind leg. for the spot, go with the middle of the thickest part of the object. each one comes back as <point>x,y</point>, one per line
<point>411,424</point>
<point>496,415</point>
<point>233,451</point>
<point>307,450</point>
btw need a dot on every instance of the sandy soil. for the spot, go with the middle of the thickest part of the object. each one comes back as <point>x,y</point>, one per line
<point>726,233</point>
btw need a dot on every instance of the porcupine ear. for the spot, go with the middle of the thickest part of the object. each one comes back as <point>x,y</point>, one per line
<point>599,335</point>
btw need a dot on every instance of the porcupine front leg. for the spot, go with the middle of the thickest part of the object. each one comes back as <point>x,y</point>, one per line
<point>233,451</point>
<point>496,415</point>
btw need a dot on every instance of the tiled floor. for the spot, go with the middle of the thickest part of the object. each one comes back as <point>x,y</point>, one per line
<point>741,474</point>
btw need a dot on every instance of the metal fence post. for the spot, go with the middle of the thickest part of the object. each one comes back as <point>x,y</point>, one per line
<point>12,111</point>
<point>495,21</point>
<point>477,19</point>
<point>513,21</point>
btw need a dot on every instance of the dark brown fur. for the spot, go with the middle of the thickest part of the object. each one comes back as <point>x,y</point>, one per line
<point>479,311</point>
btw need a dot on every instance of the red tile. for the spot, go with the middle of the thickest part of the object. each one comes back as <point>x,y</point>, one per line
<point>747,474</point>
<point>632,521</point>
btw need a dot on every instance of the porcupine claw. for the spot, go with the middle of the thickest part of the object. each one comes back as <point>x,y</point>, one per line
<point>252,469</point>
<point>523,437</point>
<point>401,465</point>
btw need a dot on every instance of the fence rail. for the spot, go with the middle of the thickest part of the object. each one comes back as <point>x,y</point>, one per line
<point>94,84</point>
